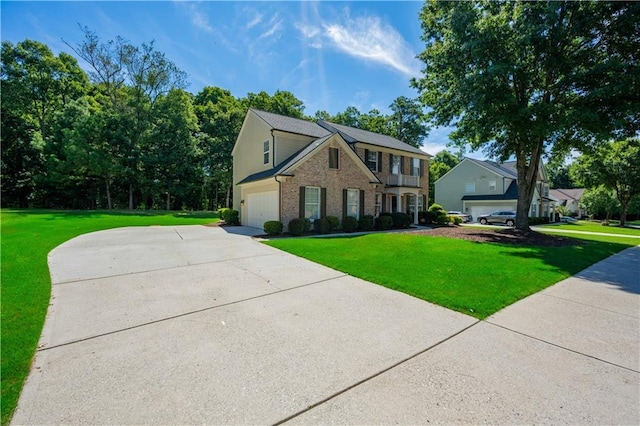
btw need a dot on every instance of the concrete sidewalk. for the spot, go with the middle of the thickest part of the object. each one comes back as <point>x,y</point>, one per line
<point>196,325</point>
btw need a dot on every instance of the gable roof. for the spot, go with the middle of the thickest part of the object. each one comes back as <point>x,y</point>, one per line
<point>290,124</point>
<point>507,169</point>
<point>364,136</point>
<point>567,194</point>
<point>286,167</point>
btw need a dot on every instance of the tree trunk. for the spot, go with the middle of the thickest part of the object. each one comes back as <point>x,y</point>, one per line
<point>623,214</point>
<point>108,189</point>
<point>130,196</point>
<point>168,201</point>
<point>228,197</point>
<point>527,177</point>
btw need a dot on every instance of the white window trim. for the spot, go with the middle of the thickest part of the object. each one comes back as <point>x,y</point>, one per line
<point>378,204</point>
<point>307,203</point>
<point>469,187</point>
<point>374,162</point>
<point>415,167</point>
<point>356,204</point>
<point>266,151</point>
<point>394,164</point>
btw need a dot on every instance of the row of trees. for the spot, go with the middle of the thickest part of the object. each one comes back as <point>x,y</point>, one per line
<point>128,135</point>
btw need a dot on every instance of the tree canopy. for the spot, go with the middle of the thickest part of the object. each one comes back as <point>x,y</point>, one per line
<point>524,79</point>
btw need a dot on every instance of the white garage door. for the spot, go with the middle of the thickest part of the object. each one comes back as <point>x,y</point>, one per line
<point>480,210</point>
<point>261,207</point>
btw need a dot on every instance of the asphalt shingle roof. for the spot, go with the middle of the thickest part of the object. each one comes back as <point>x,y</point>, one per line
<point>503,169</point>
<point>510,194</point>
<point>292,125</point>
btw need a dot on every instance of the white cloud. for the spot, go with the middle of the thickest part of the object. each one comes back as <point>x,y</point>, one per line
<point>274,25</point>
<point>307,31</point>
<point>198,19</point>
<point>255,21</point>
<point>371,39</point>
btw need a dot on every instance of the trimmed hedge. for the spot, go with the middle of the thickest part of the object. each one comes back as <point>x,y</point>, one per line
<point>401,220</point>
<point>322,226</point>
<point>231,217</point>
<point>296,226</point>
<point>334,222</point>
<point>365,223</point>
<point>538,220</point>
<point>384,222</point>
<point>349,224</point>
<point>273,227</point>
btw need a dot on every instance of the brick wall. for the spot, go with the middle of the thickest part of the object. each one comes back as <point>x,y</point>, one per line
<point>315,172</point>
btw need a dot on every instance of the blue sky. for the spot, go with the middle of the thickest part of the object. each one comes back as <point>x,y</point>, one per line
<point>331,55</point>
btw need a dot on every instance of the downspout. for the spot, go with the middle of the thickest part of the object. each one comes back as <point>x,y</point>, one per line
<point>279,198</point>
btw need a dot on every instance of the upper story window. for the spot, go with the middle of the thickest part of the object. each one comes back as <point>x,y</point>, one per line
<point>492,185</point>
<point>334,158</point>
<point>395,164</point>
<point>470,187</point>
<point>372,161</point>
<point>415,167</point>
<point>265,152</point>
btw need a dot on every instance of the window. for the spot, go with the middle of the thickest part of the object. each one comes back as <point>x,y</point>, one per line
<point>470,187</point>
<point>372,160</point>
<point>334,158</point>
<point>411,203</point>
<point>312,203</point>
<point>420,203</point>
<point>415,167</point>
<point>378,204</point>
<point>492,185</point>
<point>265,152</point>
<point>353,203</point>
<point>395,164</point>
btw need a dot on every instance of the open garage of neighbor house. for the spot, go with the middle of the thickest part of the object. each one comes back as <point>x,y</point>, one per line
<point>477,208</point>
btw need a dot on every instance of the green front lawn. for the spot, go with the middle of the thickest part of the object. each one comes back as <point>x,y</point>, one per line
<point>585,226</point>
<point>477,279</point>
<point>27,237</point>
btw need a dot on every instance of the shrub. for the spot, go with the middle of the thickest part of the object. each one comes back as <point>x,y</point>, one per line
<point>232,217</point>
<point>334,222</point>
<point>456,220</point>
<point>273,227</point>
<point>538,220</point>
<point>384,222</point>
<point>349,224</point>
<point>366,222</point>
<point>223,213</point>
<point>322,226</point>
<point>306,226</point>
<point>296,226</point>
<point>401,220</point>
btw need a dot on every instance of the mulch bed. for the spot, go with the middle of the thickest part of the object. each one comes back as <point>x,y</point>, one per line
<point>500,236</point>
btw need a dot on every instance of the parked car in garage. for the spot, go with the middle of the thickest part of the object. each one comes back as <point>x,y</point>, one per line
<point>466,218</point>
<point>508,218</point>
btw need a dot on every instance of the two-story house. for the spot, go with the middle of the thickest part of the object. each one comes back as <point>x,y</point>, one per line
<point>285,168</point>
<point>478,187</point>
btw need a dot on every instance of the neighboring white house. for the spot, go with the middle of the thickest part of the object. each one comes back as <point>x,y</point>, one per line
<point>479,187</point>
<point>570,198</point>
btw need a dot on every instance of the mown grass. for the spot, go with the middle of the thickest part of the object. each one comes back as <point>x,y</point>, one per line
<point>585,226</point>
<point>477,279</point>
<point>27,237</point>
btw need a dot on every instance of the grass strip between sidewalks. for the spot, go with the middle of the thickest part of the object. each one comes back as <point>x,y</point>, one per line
<point>27,237</point>
<point>477,279</point>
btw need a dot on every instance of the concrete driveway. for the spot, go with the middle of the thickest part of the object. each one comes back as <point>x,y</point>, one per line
<point>193,324</point>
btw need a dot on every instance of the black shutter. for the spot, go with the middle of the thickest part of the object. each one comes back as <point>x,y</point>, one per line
<point>323,202</point>
<point>390,163</point>
<point>361,202</point>
<point>383,208</point>
<point>421,168</point>
<point>379,168</point>
<point>424,203</point>
<point>344,203</point>
<point>302,189</point>
<point>402,165</point>
<point>366,158</point>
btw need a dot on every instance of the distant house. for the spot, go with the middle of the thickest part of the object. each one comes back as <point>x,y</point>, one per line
<point>479,187</point>
<point>570,198</point>
<point>286,168</point>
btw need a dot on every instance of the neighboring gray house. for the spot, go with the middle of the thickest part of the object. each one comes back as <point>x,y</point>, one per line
<point>479,187</point>
<point>570,198</point>
<point>286,168</point>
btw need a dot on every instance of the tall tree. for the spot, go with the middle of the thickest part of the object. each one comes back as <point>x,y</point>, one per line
<point>527,78</point>
<point>282,102</point>
<point>616,166</point>
<point>133,77</point>
<point>408,121</point>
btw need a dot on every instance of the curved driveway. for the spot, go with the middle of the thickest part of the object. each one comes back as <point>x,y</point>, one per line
<point>193,324</point>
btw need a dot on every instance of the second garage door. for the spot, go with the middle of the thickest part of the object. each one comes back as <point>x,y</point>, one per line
<point>262,207</point>
<point>486,209</point>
